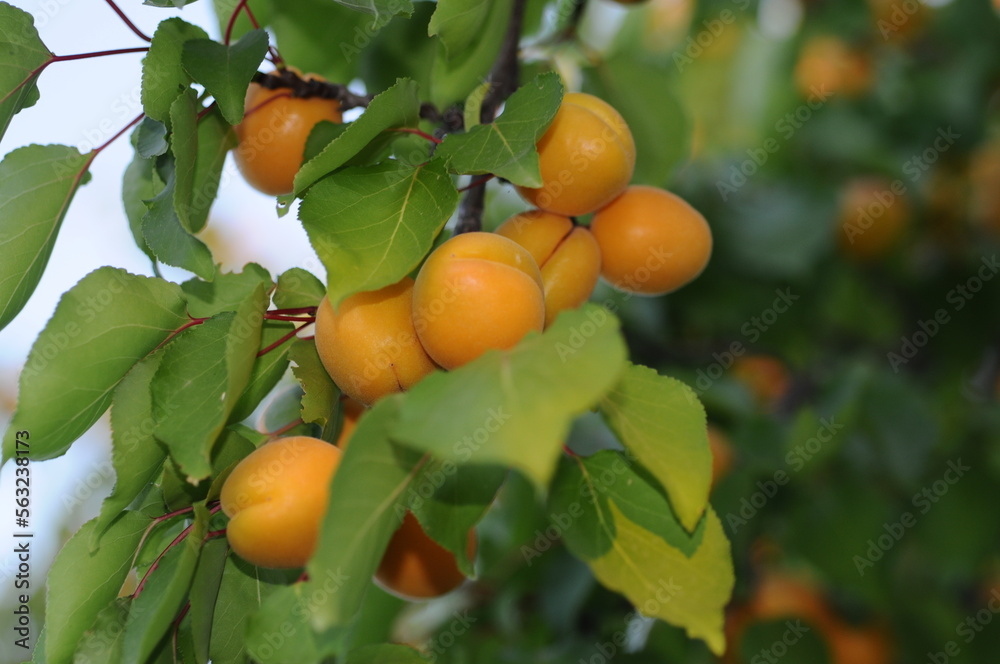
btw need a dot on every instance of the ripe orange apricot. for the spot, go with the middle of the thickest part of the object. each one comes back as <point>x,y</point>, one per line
<point>476,292</point>
<point>416,567</point>
<point>652,242</point>
<point>766,378</point>
<point>828,66</point>
<point>275,499</point>
<point>273,134</point>
<point>586,156</point>
<point>567,254</point>
<point>368,345</point>
<point>873,217</point>
<point>899,20</point>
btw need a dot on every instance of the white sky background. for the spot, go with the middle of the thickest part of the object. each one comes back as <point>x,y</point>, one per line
<point>77,98</point>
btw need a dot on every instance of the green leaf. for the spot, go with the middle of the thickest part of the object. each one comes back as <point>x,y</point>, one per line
<point>371,225</point>
<point>455,75</point>
<point>514,408</point>
<point>100,329</point>
<point>215,139</point>
<point>150,138</point>
<point>457,23</point>
<point>184,146</point>
<point>662,424</point>
<point>156,607</point>
<point>243,590</point>
<point>279,633</point>
<point>167,238</point>
<point>163,75</point>
<point>202,375</point>
<point>506,147</point>
<point>226,292</point>
<point>267,369</point>
<point>21,53</point>
<point>204,593</point>
<point>298,288</point>
<point>385,653</point>
<point>459,497</point>
<point>319,400</point>
<point>136,456</point>
<point>380,9</point>
<point>37,184</point>
<point>102,641</point>
<point>140,183</point>
<point>617,526</point>
<point>635,87</point>
<point>365,493</point>
<point>399,106</point>
<point>225,71</point>
<point>82,582</point>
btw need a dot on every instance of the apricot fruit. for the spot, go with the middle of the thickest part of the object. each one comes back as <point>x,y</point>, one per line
<point>476,292</point>
<point>273,135</point>
<point>652,242</point>
<point>369,346</point>
<point>586,156</point>
<point>415,567</point>
<point>275,499</point>
<point>567,255</point>
<point>873,217</point>
<point>828,66</point>
<point>766,378</point>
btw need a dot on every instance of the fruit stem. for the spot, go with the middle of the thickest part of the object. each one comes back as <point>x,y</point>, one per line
<point>284,429</point>
<point>190,323</point>
<point>121,131</point>
<point>242,5</point>
<point>132,26</point>
<point>569,452</point>
<point>177,627</point>
<point>417,132</point>
<point>295,310</point>
<point>93,54</point>
<point>477,183</point>
<point>279,342</point>
<point>156,563</point>
<point>271,315</point>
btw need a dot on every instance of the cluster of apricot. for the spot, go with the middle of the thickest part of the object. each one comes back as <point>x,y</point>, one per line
<point>476,292</point>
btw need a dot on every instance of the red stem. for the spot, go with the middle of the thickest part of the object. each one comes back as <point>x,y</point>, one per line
<point>569,451</point>
<point>284,429</point>
<point>121,131</point>
<point>417,132</point>
<point>139,33</point>
<point>190,323</point>
<point>232,20</point>
<point>242,5</point>
<point>477,183</point>
<point>266,102</point>
<point>270,315</point>
<point>177,626</point>
<point>156,563</point>
<point>94,54</point>
<point>214,533</point>
<point>295,310</point>
<point>265,351</point>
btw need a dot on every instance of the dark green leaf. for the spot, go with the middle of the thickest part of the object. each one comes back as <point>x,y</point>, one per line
<point>371,225</point>
<point>82,582</point>
<point>455,75</point>
<point>163,75</point>
<point>100,329</point>
<point>204,593</point>
<point>21,54</point>
<point>37,184</point>
<point>225,71</point>
<point>506,147</point>
<point>267,369</point>
<point>140,183</point>
<point>150,138</point>
<point>457,23</point>
<point>320,399</point>
<point>380,9</point>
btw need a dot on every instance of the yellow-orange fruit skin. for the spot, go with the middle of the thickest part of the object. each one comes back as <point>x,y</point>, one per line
<point>275,499</point>
<point>568,256</point>
<point>586,157</point>
<point>766,378</point>
<point>474,293</point>
<point>873,218</point>
<point>415,567</point>
<point>273,135</point>
<point>651,241</point>
<point>828,66</point>
<point>369,346</point>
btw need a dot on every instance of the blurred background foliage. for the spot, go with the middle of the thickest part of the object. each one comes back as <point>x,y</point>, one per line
<point>844,381</point>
